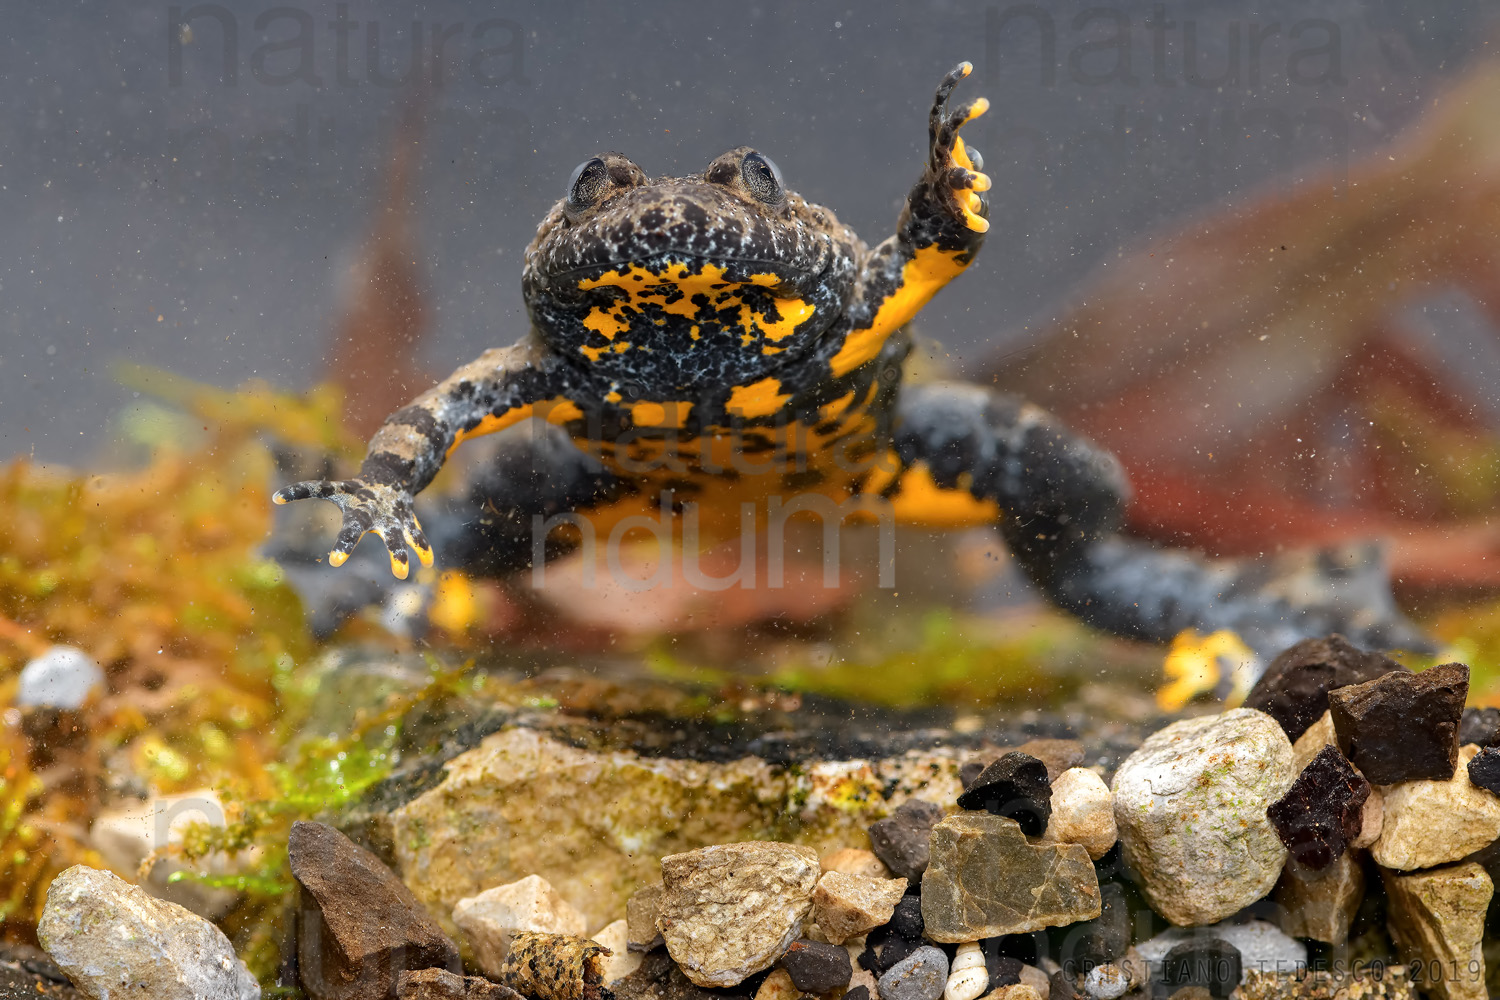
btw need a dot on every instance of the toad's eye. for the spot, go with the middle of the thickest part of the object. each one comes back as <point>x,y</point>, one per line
<point>762,178</point>
<point>587,185</point>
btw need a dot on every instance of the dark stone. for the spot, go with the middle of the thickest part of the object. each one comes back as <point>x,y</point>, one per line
<point>1484,769</point>
<point>816,967</point>
<point>359,927</point>
<point>1321,813</point>
<point>1016,786</point>
<point>1403,726</point>
<point>858,993</point>
<point>1211,963</point>
<point>907,919</point>
<point>884,948</point>
<point>1103,939</point>
<point>440,984</point>
<point>1294,689</point>
<point>659,978</point>
<point>1480,726</point>
<point>1004,970</point>
<point>1060,986</point>
<point>900,840</point>
<point>27,973</point>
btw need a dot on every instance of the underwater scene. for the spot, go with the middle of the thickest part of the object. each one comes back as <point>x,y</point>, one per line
<point>633,501</point>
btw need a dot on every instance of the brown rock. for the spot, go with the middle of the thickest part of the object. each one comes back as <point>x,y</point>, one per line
<point>641,911</point>
<point>555,967</point>
<point>1403,726</point>
<point>729,911</point>
<point>1321,904</point>
<point>1436,917</point>
<point>847,906</point>
<point>1294,689</point>
<point>440,984</point>
<point>985,880</point>
<point>359,927</point>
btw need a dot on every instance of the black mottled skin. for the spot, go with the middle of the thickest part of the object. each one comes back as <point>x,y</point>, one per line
<point>690,342</point>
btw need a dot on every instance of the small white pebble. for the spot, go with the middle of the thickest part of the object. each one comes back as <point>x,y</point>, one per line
<point>1106,982</point>
<point>968,978</point>
<point>62,677</point>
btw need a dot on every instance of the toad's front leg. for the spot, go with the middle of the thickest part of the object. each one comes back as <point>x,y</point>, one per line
<point>499,389</point>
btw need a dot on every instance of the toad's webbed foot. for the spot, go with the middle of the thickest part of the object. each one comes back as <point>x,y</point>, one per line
<point>383,509</point>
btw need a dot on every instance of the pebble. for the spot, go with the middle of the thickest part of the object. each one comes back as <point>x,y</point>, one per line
<point>62,677</point>
<point>855,861</point>
<point>1211,963</point>
<point>621,961</point>
<point>1017,991</point>
<point>358,927</point>
<point>1428,823</point>
<point>846,906</point>
<point>884,948</point>
<point>1057,755</point>
<point>986,880</point>
<point>1261,946</point>
<point>1191,809</point>
<point>641,911</point>
<point>113,939</point>
<point>1106,982</point>
<point>1294,689</point>
<point>900,840</point>
<point>922,975</point>
<point>731,910</point>
<point>491,919</point>
<point>968,975</point>
<point>1322,812</point>
<point>1480,726</point>
<point>1436,918</point>
<point>1321,904</point>
<point>1016,785</point>
<point>1403,726</point>
<point>856,993</point>
<point>440,984</point>
<point>1061,986</point>
<point>777,986</point>
<point>1484,769</point>
<point>816,967</point>
<point>906,918</point>
<point>1083,812</point>
<point>555,967</point>
<point>1103,939</point>
<point>1322,984</point>
<point>1034,979</point>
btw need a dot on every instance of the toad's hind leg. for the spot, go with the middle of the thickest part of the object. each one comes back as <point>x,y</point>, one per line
<point>1060,502</point>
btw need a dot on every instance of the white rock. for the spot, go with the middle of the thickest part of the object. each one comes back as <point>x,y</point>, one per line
<point>115,941</point>
<point>491,919</point>
<point>62,677</point>
<point>1429,823</point>
<point>1083,812</point>
<point>1106,982</point>
<point>1190,805</point>
<point>622,961</point>
<point>1262,946</point>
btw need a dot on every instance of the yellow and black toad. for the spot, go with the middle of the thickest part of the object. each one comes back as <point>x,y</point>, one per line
<point>716,344</point>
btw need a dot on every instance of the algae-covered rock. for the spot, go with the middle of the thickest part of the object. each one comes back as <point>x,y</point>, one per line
<point>1436,918</point>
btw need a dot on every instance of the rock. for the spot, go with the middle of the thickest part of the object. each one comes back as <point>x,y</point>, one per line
<point>1191,809</point>
<point>1106,982</point>
<point>1083,812</point>
<point>846,906</point>
<point>1430,823</point>
<point>778,986</point>
<point>1479,726</point>
<point>127,835</point>
<point>1437,918</point>
<point>732,910</point>
<point>1322,984</point>
<point>1211,963</point>
<point>1057,755</point>
<point>555,967</point>
<point>621,961</point>
<point>906,918</point>
<point>922,975</point>
<point>1294,689</point>
<point>900,840</point>
<point>358,927</point>
<point>113,939</point>
<point>440,984</point>
<point>1403,726</point>
<point>1191,993</point>
<point>1016,991</point>
<point>659,978</point>
<point>1016,785</point>
<point>641,911</point>
<point>1322,811</point>
<point>1034,979</point>
<point>1061,986</point>
<point>1103,939</point>
<point>855,861</point>
<point>1261,946</point>
<point>986,880</point>
<point>860,992</point>
<point>1371,820</point>
<point>816,967</point>
<point>884,948</point>
<point>1318,735</point>
<point>491,919</point>
<point>1484,769</point>
<point>862,980</point>
<point>62,677</point>
<point>1321,904</point>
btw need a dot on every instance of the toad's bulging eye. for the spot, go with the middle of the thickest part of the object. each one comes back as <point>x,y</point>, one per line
<point>762,178</point>
<point>587,185</point>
